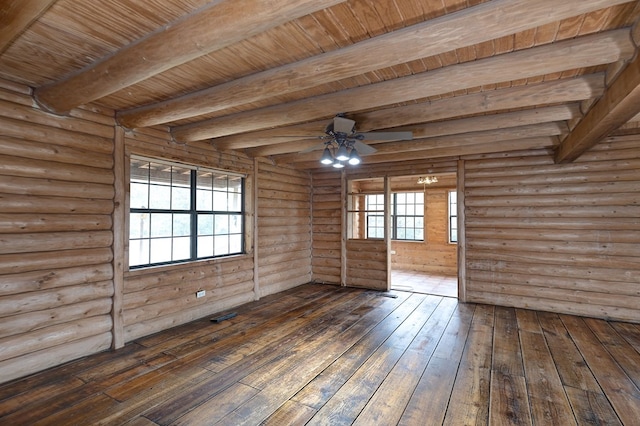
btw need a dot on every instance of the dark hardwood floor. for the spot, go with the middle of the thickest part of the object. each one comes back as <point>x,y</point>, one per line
<point>329,355</point>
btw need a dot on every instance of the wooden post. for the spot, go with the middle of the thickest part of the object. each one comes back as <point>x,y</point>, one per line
<point>343,233</point>
<point>256,272</point>
<point>462,254</point>
<point>387,227</point>
<point>118,237</point>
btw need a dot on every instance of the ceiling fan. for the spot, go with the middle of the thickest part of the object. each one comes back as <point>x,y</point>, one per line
<point>344,144</point>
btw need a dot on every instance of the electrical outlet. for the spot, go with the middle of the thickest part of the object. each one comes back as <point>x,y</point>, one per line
<point>393,252</point>
<point>200,293</point>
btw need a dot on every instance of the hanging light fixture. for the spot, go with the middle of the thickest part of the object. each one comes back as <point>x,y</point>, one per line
<point>327,157</point>
<point>338,164</point>
<point>354,158</point>
<point>428,180</point>
<point>342,154</point>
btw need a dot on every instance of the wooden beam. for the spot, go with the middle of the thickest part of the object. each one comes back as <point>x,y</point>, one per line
<point>591,50</point>
<point>18,15</point>
<point>473,25</point>
<point>213,27</point>
<point>443,128</point>
<point>619,104</point>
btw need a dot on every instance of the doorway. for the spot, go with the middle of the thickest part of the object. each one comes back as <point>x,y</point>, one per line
<point>423,229</point>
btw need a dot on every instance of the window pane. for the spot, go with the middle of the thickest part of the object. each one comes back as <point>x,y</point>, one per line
<point>205,224</point>
<point>235,244</point>
<point>139,196</point>
<point>219,201</point>
<point>159,197</point>
<point>181,248</point>
<point>204,179</point>
<point>235,202</point>
<point>180,198</point>
<point>139,225</point>
<point>221,224</point>
<point>205,246</point>
<point>181,225</point>
<point>161,225</point>
<point>220,182</point>
<point>419,234</point>
<point>160,250</point>
<point>221,245</point>
<point>401,234</point>
<point>235,224</point>
<point>138,252</point>
<point>204,200</point>
<point>235,184</point>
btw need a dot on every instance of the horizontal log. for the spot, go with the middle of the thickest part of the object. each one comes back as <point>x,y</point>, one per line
<point>318,262</point>
<point>11,203</point>
<point>619,175</point>
<point>299,257</point>
<point>286,230</point>
<point>290,277</point>
<point>16,166</point>
<point>326,276</point>
<point>277,239</point>
<point>268,289</point>
<point>55,188</point>
<point>584,211</point>
<point>43,280</point>
<point>27,262</point>
<point>286,269</point>
<point>548,258</point>
<point>540,283</point>
<point>50,152</point>
<point>48,299</point>
<point>29,321</point>
<point>277,194</point>
<point>366,283</point>
<point>602,224</point>
<point>544,234</point>
<point>54,241</point>
<point>283,248</point>
<point>19,129</point>
<point>565,247</point>
<point>548,270</point>
<point>28,223</point>
<point>60,334</point>
<point>272,203</point>
<point>565,200</point>
<point>560,189</point>
<point>37,361</point>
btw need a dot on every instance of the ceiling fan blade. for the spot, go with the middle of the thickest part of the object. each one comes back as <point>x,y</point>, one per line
<point>385,136</point>
<point>313,148</point>
<point>363,148</point>
<point>343,125</point>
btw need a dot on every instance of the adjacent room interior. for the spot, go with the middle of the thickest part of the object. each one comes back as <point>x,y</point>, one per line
<point>409,212</point>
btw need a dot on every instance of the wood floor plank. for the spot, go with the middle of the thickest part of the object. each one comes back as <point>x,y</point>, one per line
<point>508,400</point>
<point>390,400</point>
<point>591,408</point>
<point>429,402</point>
<point>630,332</point>
<point>549,402</point>
<point>469,403</point>
<point>617,386</point>
<point>623,353</point>
<point>290,413</point>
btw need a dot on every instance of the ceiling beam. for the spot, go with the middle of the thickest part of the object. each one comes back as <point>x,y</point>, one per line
<point>18,15</point>
<point>278,145</point>
<point>591,50</point>
<point>472,25</point>
<point>213,27</point>
<point>619,104</point>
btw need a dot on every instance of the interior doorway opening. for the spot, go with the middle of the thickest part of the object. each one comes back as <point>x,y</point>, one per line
<point>423,230</point>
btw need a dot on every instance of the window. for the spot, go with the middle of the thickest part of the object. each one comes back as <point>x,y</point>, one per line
<point>180,213</point>
<point>453,217</point>
<point>407,216</point>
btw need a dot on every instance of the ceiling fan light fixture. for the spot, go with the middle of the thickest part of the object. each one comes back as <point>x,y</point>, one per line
<point>342,154</point>
<point>327,157</point>
<point>354,158</point>
<point>338,164</point>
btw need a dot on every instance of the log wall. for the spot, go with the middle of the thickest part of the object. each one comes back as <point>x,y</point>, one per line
<point>284,228</point>
<point>327,227</point>
<point>56,274</point>
<point>562,238</point>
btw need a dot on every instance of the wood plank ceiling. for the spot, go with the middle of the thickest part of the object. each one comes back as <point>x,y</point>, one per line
<point>265,77</point>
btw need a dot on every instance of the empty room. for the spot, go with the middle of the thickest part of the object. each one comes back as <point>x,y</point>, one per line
<point>319,212</point>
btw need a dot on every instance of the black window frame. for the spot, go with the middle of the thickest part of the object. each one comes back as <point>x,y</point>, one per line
<point>193,212</point>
